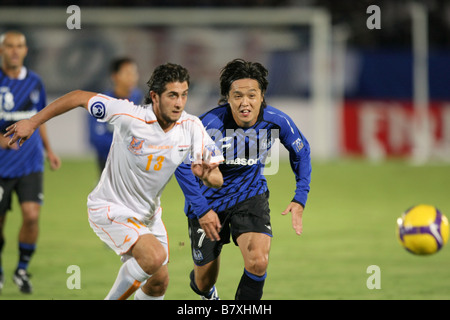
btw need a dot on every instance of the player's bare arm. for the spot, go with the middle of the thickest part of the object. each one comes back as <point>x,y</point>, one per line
<point>22,130</point>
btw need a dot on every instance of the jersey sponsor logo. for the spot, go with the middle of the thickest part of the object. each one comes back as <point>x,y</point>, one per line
<point>242,161</point>
<point>151,146</point>
<point>17,115</point>
<point>136,145</point>
<point>98,110</point>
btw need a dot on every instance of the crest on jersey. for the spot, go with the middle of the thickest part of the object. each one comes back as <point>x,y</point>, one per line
<point>298,145</point>
<point>136,145</point>
<point>34,96</point>
<point>213,149</point>
<point>98,110</point>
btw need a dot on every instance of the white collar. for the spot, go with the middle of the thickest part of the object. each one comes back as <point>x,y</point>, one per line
<point>23,73</point>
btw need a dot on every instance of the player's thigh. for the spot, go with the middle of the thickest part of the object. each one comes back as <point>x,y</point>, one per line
<point>251,216</point>
<point>30,194</point>
<point>255,248</point>
<point>117,226</point>
<point>30,188</point>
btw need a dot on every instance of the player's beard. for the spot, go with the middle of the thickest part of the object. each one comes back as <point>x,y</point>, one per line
<point>168,117</point>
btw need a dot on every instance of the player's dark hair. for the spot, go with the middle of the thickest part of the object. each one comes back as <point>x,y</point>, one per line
<point>241,69</point>
<point>116,64</point>
<point>164,74</point>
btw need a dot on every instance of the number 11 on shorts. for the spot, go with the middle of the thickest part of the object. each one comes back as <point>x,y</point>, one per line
<point>135,222</point>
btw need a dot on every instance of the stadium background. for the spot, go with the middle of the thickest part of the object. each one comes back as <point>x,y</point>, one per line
<point>363,176</point>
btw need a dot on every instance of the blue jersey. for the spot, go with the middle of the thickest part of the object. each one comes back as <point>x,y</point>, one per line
<point>101,133</point>
<point>21,99</point>
<point>246,151</point>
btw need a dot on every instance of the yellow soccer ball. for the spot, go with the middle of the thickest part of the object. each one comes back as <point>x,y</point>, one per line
<point>422,229</point>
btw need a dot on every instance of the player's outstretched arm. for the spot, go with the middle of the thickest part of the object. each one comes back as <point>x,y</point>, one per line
<point>23,129</point>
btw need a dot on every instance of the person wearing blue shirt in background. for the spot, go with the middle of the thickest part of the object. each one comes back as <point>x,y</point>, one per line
<point>22,94</point>
<point>244,128</point>
<point>125,76</point>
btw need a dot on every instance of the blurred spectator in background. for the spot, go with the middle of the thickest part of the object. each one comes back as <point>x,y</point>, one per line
<point>125,76</point>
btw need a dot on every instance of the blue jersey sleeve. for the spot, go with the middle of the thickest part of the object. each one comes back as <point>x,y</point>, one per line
<point>299,157</point>
<point>190,186</point>
<point>42,98</point>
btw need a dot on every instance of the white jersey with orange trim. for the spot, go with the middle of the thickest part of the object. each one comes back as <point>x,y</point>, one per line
<point>143,157</point>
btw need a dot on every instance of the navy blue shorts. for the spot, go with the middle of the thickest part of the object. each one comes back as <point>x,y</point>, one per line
<point>27,188</point>
<point>251,215</point>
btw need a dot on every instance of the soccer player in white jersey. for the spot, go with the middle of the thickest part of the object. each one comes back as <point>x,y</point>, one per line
<point>149,143</point>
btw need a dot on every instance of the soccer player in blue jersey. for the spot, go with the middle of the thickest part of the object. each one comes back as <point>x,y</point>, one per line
<point>22,95</point>
<point>245,128</point>
<point>124,75</point>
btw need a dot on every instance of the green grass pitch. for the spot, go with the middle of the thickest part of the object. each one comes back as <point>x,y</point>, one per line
<point>349,225</point>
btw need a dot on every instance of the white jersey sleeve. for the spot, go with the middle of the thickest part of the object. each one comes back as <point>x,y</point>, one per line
<point>104,108</point>
<point>203,147</point>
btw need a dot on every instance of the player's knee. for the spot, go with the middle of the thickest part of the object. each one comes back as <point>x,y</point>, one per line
<point>160,258</point>
<point>31,221</point>
<point>257,264</point>
<point>30,217</point>
<point>149,254</point>
<point>151,263</point>
<point>30,210</point>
